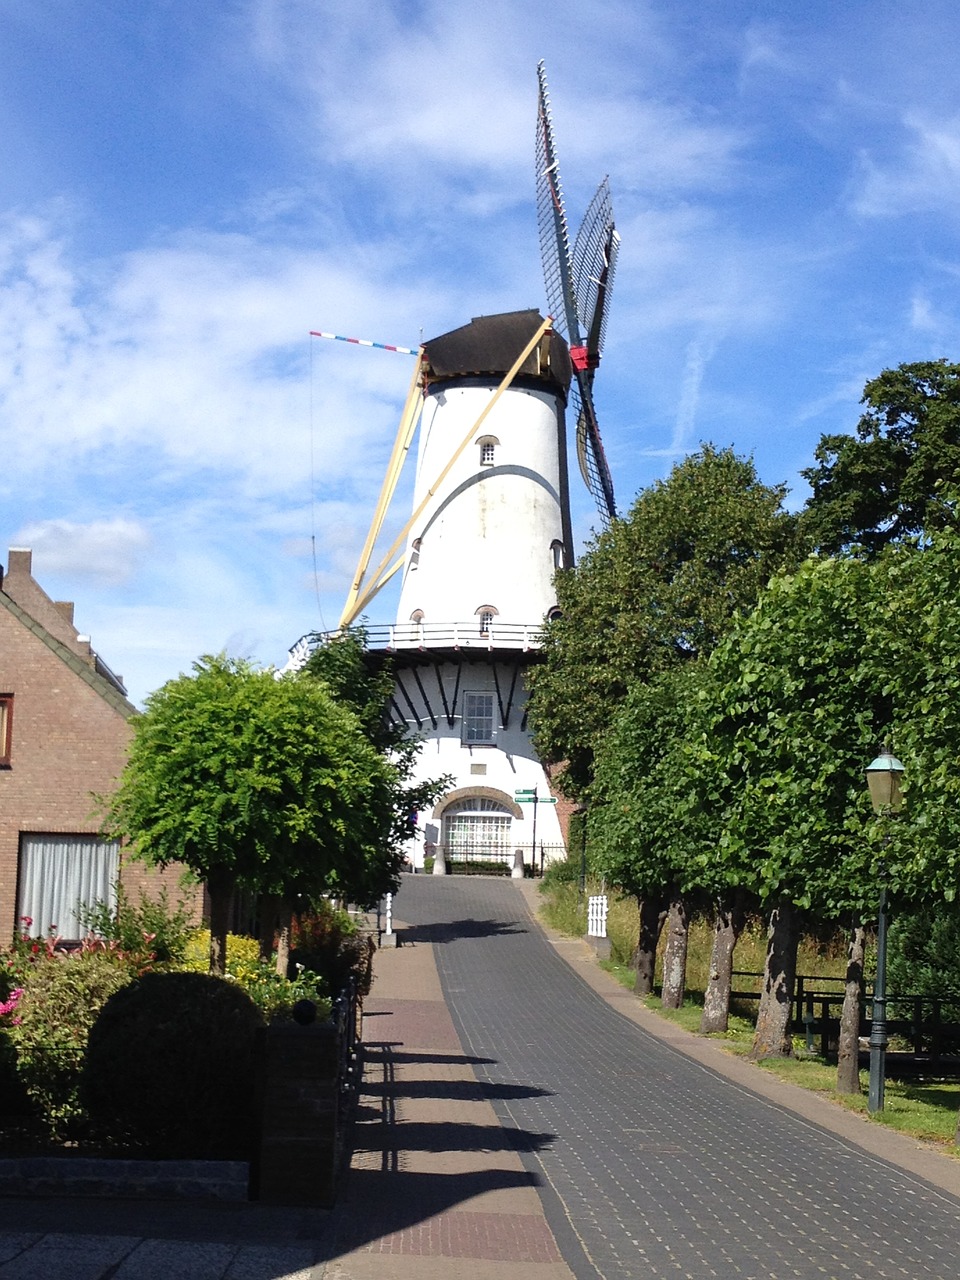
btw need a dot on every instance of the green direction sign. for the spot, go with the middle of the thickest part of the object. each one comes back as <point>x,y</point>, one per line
<point>522,799</point>
<point>526,799</point>
<point>548,799</point>
<point>526,791</point>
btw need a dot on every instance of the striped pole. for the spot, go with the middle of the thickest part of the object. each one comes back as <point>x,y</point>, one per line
<point>364,342</point>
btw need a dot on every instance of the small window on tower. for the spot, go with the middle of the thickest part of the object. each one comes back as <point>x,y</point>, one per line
<point>486,614</point>
<point>414,554</point>
<point>488,451</point>
<point>556,550</point>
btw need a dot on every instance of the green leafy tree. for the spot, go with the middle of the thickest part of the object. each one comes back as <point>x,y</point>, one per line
<point>641,825</point>
<point>260,783</point>
<point>799,703</point>
<point>881,484</point>
<point>656,590</point>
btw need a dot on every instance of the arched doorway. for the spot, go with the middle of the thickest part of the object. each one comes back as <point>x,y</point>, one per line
<point>477,829</point>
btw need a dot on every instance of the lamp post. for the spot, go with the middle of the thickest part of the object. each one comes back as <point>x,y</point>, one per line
<point>883,779</point>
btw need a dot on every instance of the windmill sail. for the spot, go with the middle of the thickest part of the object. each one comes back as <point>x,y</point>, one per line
<point>578,284</point>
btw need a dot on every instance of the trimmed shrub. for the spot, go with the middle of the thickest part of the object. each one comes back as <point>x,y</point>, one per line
<point>170,1067</point>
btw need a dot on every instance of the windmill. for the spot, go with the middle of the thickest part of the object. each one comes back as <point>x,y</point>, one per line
<point>489,528</point>
<point>578,283</point>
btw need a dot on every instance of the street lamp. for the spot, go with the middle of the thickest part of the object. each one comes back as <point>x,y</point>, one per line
<point>883,779</point>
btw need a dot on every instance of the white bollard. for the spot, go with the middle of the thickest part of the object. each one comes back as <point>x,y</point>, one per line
<point>517,871</point>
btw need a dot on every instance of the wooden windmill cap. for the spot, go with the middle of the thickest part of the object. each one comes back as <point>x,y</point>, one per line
<point>489,346</point>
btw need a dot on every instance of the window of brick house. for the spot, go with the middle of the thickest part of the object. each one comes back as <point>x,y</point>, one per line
<point>61,877</point>
<point>6,728</point>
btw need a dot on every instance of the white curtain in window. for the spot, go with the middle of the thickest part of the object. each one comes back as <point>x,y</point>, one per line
<point>62,874</point>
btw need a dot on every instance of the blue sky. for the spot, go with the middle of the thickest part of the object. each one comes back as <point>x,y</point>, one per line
<point>187,189</point>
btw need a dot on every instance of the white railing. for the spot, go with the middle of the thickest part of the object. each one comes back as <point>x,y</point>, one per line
<point>597,916</point>
<point>522,636</point>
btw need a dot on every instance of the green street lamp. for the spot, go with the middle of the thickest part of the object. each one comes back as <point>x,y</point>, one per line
<point>883,779</point>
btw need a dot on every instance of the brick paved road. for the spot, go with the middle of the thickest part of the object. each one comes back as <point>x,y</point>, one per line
<point>659,1168</point>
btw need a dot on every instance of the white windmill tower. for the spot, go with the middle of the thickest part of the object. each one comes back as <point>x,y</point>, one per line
<point>489,529</point>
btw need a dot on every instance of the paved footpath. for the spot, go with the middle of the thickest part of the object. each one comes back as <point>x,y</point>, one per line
<point>652,1163</point>
<point>522,1116</point>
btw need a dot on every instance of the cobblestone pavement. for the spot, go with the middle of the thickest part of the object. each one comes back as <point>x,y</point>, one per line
<point>658,1166</point>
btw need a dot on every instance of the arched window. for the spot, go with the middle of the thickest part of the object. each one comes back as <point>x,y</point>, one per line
<point>556,550</point>
<point>477,828</point>
<point>488,450</point>
<point>414,554</point>
<point>417,615</point>
<point>486,613</point>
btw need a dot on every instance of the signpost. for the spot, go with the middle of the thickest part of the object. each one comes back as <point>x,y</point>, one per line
<point>530,795</point>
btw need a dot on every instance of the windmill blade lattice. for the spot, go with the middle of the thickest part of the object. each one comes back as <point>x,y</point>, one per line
<point>578,287</point>
<point>594,265</point>
<point>552,222</point>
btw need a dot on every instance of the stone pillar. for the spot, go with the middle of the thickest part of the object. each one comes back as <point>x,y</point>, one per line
<point>439,863</point>
<point>517,872</point>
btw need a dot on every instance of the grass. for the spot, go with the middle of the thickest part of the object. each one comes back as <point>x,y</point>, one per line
<point>927,1111</point>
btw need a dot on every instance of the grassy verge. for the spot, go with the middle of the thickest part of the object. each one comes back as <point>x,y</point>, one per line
<point>926,1111</point>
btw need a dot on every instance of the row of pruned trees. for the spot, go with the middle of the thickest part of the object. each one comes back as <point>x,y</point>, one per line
<point>724,669</point>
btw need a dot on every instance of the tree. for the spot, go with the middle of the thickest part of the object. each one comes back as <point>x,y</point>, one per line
<point>880,485</point>
<point>641,826</point>
<point>256,782</point>
<point>656,590</point>
<point>361,681</point>
<point>799,703</point>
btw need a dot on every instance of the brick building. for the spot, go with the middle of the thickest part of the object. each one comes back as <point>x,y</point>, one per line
<point>64,735</point>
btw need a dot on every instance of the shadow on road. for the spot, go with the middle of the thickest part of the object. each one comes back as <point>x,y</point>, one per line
<point>451,930</point>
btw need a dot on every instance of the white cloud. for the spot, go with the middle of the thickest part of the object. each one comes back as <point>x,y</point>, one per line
<point>108,550</point>
<point>923,176</point>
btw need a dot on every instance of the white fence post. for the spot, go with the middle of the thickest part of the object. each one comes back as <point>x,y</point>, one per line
<point>597,916</point>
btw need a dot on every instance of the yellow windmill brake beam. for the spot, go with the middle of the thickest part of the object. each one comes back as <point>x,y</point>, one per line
<point>378,581</point>
<point>401,445</point>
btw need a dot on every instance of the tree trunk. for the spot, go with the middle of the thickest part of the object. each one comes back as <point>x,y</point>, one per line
<point>283,937</point>
<point>652,917</point>
<point>220,885</point>
<point>675,955</point>
<point>726,931</point>
<point>268,911</point>
<point>773,1037</point>
<point>848,1049</point>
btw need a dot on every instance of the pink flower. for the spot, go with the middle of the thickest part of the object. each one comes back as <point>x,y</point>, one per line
<point>27,920</point>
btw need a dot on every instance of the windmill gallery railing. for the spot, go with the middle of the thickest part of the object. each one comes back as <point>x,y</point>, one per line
<point>470,634</point>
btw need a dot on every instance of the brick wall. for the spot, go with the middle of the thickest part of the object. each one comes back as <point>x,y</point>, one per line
<point>70,737</point>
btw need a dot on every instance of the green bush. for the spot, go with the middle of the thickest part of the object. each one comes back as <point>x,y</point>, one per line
<point>170,1067</point>
<point>62,996</point>
<point>325,941</point>
<point>273,994</point>
<point>563,871</point>
<point>241,950</point>
<point>151,928</point>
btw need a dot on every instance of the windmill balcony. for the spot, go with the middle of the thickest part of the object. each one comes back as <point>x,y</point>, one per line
<point>433,637</point>
<point>470,634</point>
